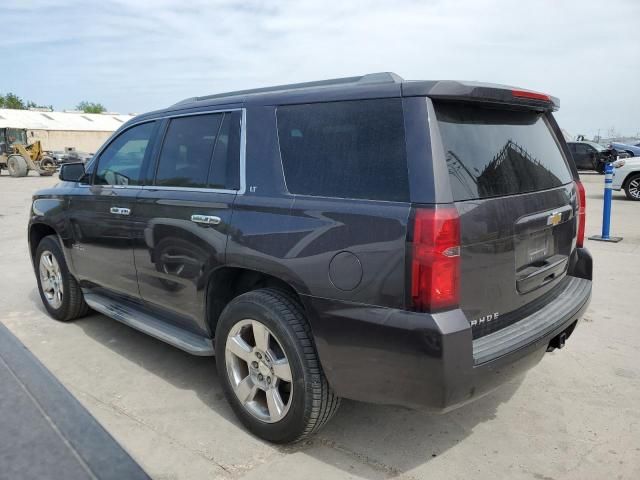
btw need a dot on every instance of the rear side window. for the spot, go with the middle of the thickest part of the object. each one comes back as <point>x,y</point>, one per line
<point>201,151</point>
<point>353,149</point>
<point>492,152</point>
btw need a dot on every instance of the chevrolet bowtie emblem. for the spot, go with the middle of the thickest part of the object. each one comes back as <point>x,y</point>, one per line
<point>554,218</point>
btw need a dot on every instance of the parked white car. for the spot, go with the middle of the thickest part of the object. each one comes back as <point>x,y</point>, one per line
<point>627,178</point>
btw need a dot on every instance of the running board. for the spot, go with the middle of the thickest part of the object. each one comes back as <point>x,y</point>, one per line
<point>176,336</point>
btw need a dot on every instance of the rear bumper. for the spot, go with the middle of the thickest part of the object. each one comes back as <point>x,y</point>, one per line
<point>431,362</point>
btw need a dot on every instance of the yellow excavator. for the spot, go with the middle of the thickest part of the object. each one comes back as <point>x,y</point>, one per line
<point>18,157</point>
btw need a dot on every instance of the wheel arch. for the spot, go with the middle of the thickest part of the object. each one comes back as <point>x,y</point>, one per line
<point>629,176</point>
<point>37,231</point>
<point>40,229</point>
<point>226,283</point>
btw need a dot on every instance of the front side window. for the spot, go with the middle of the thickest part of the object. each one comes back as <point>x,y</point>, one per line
<point>121,162</point>
<point>201,151</point>
<point>351,149</point>
<point>582,149</point>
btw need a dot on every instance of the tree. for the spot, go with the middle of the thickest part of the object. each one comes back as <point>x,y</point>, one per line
<point>91,107</point>
<point>11,100</point>
<point>31,104</point>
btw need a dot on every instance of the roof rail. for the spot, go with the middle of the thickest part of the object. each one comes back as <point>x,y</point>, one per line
<point>380,77</point>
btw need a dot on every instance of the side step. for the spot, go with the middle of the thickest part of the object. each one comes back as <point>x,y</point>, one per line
<point>176,336</point>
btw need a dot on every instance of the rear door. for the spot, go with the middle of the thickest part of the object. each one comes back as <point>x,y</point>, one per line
<point>514,191</point>
<point>183,214</point>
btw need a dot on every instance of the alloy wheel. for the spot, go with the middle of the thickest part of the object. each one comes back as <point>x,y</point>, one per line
<point>259,371</point>
<point>51,279</point>
<point>634,188</point>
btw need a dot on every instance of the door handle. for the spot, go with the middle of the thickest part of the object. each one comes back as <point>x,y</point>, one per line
<point>206,219</point>
<point>120,211</point>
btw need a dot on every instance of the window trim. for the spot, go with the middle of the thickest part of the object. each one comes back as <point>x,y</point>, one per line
<point>243,153</point>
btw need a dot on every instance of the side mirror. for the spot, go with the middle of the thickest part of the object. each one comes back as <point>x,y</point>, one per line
<point>71,172</point>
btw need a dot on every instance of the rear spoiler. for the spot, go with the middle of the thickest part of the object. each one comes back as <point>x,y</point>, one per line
<point>481,92</point>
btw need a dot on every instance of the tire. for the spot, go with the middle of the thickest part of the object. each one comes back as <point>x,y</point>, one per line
<point>47,167</point>
<point>632,187</point>
<point>307,400</point>
<point>17,166</point>
<point>65,303</point>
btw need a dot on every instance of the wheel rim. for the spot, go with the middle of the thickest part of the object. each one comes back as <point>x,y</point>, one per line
<point>259,371</point>
<point>634,188</point>
<point>51,279</point>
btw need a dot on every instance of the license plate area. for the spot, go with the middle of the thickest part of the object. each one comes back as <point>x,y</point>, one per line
<point>542,247</point>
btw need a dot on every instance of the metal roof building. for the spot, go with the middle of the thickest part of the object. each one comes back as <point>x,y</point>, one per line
<point>59,130</point>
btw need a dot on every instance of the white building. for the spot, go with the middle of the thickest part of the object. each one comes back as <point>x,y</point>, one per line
<point>58,130</point>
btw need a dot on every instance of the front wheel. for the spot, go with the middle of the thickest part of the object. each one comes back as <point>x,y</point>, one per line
<point>17,166</point>
<point>47,167</point>
<point>59,290</point>
<point>632,187</point>
<point>269,368</point>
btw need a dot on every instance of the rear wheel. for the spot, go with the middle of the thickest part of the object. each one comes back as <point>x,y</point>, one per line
<point>47,167</point>
<point>269,367</point>
<point>632,187</point>
<point>59,290</point>
<point>17,166</point>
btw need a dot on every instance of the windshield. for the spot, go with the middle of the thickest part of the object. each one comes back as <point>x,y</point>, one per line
<point>16,135</point>
<point>598,147</point>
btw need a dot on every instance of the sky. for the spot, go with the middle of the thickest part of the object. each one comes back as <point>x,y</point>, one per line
<point>136,56</point>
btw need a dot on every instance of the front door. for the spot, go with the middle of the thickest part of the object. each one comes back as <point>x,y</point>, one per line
<point>182,217</point>
<point>584,156</point>
<point>101,211</point>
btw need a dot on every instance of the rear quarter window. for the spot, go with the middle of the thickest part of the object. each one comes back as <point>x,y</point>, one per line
<point>492,152</point>
<point>351,149</point>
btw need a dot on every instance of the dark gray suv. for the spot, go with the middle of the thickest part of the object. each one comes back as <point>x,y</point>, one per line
<point>410,243</point>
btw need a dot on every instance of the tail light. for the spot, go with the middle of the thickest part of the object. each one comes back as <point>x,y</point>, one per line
<point>531,95</point>
<point>582,209</point>
<point>435,259</point>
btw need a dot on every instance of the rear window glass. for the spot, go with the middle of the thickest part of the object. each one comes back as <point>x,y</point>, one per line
<point>201,151</point>
<point>353,149</point>
<point>493,152</point>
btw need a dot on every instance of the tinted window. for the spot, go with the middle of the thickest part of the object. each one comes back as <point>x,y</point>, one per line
<point>187,151</point>
<point>350,149</point>
<point>225,170</point>
<point>493,152</point>
<point>121,162</point>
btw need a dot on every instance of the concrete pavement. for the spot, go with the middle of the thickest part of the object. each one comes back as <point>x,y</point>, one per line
<point>575,416</point>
